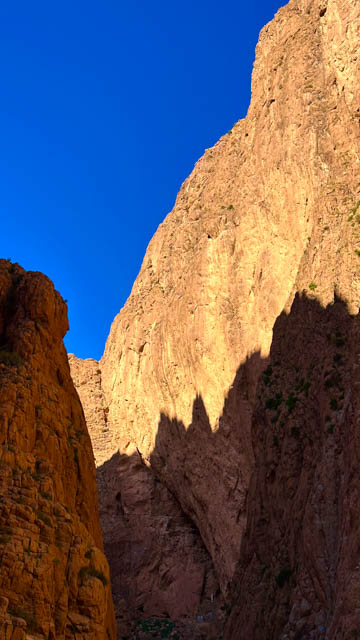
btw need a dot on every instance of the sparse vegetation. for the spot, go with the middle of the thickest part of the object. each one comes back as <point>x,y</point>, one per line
<point>283,576</point>
<point>291,401</point>
<point>302,386</point>
<point>44,518</point>
<point>267,374</point>
<point>275,402</point>
<point>10,358</point>
<point>5,538</point>
<point>90,572</point>
<point>162,626</point>
<point>18,612</point>
<point>329,382</point>
<point>275,418</point>
<point>45,495</point>
<point>354,210</point>
<point>312,286</point>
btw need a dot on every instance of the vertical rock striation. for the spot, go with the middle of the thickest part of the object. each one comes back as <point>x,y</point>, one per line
<point>159,565</point>
<point>298,574</point>
<point>54,578</point>
<point>265,213</point>
<point>266,225</point>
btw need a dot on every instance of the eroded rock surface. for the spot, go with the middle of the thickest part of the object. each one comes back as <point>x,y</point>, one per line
<point>298,575</point>
<point>271,211</point>
<point>159,565</point>
<point>54,577</point>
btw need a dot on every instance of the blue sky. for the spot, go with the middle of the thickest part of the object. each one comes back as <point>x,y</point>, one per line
<point>104,109</point>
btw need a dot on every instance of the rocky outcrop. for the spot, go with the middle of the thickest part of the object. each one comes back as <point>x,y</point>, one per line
<point>54,578</point>
<point>159,565</point>
<point>269,215</point>
<point>270,210</point>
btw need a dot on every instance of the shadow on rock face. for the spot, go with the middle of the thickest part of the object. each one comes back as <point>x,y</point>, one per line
<point>209,471</point>
<point>297,575</point>
<point>270,496</point>
<point>164,518</point>
<point>159,565</point>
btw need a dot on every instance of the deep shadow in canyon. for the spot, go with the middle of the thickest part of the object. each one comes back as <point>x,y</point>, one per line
<point>287,492</point>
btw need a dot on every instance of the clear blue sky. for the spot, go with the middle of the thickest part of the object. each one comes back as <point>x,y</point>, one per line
<point>104,109</point>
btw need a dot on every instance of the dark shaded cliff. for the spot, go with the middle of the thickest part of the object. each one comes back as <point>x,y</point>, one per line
<point>298,573</point>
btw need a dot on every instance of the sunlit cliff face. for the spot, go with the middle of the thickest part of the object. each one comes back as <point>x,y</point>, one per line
<point>54,577</point>
<point>263,214</point>
<point>270,211</point>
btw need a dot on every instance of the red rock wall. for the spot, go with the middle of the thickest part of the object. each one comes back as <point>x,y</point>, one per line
<point>54,578</point>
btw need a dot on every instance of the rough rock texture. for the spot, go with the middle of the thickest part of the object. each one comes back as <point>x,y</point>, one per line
<point>265,213</point>
<point>271,211</point>
<point>54,577</point>
<point>159,564</point>
<point>158,561</point>
<point>86,375</point>
<point>298,575</point>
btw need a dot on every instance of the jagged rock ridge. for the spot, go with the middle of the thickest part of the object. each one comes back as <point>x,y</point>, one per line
<point>270,211</point>
<point>54,577</point>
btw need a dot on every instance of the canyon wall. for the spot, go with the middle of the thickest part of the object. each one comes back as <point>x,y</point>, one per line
<point>159,564</point>
<point>298,573</point>
<point>54,577</point>
<point>260,256</point>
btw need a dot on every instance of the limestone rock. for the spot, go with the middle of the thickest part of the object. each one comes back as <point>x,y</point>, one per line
<point>270,210</point>
<point>269,215</point>
<point>52,562</point>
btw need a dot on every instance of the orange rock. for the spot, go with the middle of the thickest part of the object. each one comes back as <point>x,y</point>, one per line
<point>48,511</point>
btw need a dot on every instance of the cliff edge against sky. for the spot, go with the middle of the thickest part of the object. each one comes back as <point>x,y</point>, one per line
<point>54,577</point>
<point>268,223</point>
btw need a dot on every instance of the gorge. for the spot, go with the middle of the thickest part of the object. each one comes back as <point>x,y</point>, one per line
<point>224,412</point>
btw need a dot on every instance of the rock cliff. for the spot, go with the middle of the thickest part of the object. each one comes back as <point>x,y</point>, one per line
<point>258,263</point>
<point>54,577</point>
<point>159,564</point>
<point>298,573</point>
